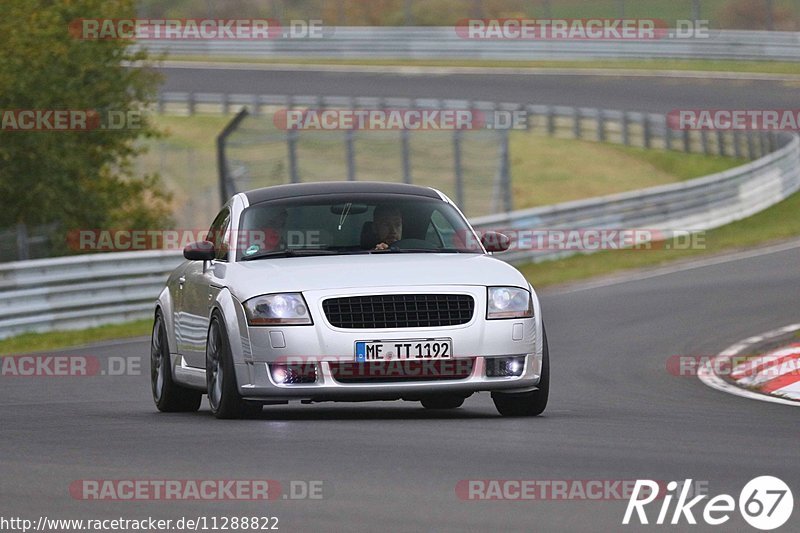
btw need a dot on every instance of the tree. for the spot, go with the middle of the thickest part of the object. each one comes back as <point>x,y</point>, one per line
<point>78,179</point>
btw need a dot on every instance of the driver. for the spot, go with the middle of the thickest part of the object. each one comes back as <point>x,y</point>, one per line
<point>388,224</point>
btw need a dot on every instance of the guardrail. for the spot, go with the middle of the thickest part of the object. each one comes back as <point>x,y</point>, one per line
<point>444,43</point>
<point>695,205</point>
<point>83,291</point>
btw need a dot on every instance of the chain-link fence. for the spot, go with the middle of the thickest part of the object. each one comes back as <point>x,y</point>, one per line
<point>285,139</point>
<point>468,164</point>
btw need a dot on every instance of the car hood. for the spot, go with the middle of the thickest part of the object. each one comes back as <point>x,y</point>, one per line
<point>251,278</point>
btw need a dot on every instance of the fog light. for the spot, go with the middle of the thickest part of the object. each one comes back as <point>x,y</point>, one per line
<point>503,367</point>
<point>294,374</point>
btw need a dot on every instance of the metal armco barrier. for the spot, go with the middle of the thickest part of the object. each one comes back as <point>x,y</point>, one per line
<point>81,291</point>
<point>444,43</point>
<point>695,205</point>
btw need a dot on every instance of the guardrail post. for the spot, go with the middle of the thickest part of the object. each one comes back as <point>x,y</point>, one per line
<point>601,125</point>
<point>23,243</point>
<point>576,123</point>
<point>667,136</point>
<point>721,143</point>
<point>762,141</point>
<point>350,142</point>
<point>405,138</point>
<point>457,168</point>
<point>751,148</point>
<point>505,172</point>
<point>256,103</point>
<point>626,134</point>
<point>226,104</point>
<point>528,116</point>
<point>191,102</point>
<point>161,103</point>
<point>704,142</point>
<point>737,144</point>
<point>291,146</point>
<point>551,121</point>
<point>646,130</point>
<point>687,141</point>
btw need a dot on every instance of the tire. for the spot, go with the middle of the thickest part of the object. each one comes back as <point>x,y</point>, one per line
<point>168,396</point>
<point>527,403</point>
<point>223,392</point>
<point>442,402</point>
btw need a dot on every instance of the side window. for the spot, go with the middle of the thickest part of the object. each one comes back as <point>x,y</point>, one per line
<point>219,234</point>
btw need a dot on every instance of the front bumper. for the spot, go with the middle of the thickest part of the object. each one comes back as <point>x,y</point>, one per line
<point>262,386</point>
<point>324,348</point>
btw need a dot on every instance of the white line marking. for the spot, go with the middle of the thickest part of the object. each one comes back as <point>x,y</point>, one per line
<point>707,375</point>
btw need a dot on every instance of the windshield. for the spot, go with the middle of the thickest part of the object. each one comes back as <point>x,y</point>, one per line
<point>351,224</point>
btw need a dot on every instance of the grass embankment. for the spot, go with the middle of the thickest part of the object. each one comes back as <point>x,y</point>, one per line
<point>42,342</point>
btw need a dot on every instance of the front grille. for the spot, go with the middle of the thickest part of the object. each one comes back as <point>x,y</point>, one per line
<point>399,310</point>
<point>402,371</point>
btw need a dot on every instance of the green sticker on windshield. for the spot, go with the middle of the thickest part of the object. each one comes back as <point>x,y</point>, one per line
<point>251,250</point>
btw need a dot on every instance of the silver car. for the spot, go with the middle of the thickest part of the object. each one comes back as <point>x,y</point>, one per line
<point>346,291</point>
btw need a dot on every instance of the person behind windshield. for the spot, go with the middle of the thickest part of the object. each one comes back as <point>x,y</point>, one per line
<point>388,224</point>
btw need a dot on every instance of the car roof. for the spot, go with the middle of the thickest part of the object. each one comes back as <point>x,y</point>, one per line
<point>336,187</point>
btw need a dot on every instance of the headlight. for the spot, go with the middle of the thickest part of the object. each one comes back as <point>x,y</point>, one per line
<point>509,302</point>
<point>277,309</point>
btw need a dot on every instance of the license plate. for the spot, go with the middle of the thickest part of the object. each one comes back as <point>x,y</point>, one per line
<point>404,350</point>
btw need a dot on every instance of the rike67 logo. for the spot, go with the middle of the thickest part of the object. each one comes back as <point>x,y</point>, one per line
<point>766,503</point>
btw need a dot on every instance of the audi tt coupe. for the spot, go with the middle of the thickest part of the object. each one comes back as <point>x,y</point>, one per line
<point>346,291</point>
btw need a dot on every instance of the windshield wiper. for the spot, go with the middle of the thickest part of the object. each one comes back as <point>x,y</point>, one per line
<point>422,250</point>
<point>289,252</point>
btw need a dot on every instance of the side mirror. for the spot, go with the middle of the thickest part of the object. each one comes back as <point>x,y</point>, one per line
<point>199,251</point>
<point>495,242</point>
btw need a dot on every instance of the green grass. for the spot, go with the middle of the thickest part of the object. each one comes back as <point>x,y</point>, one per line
<point>700,65</point>
<point>547,171</point>
<point>41,342</point>
<point>773,224</point>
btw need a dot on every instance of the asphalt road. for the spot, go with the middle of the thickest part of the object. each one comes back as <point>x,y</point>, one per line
<point>615,414</point>
<point>653,94</point>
